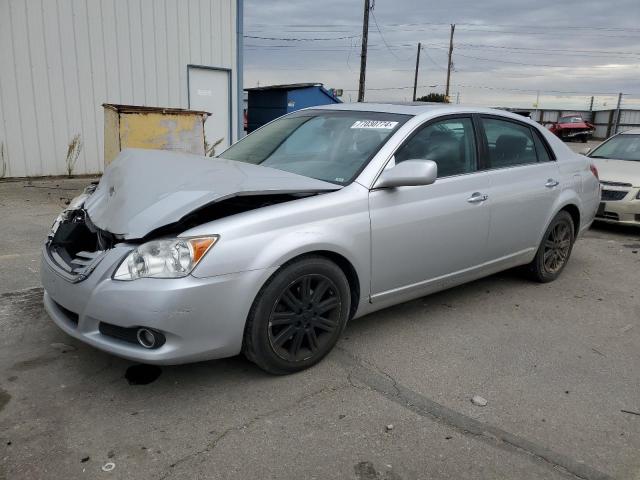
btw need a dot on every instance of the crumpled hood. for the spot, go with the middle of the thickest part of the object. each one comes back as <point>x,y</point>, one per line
<point>618,170</point>
<point>142,190</point>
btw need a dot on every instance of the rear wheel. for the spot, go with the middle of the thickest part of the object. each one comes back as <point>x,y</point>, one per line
<point>555,249</point>
<point>298,316</point>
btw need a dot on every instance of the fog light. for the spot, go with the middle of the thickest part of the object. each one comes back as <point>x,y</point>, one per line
<point>147,338</point>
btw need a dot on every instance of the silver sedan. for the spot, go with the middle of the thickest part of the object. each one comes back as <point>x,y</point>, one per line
<point>319,217</point>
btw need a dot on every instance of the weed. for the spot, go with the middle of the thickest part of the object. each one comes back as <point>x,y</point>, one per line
<point>3,161</point>
<point>210,149</point>
<point>73,152</point>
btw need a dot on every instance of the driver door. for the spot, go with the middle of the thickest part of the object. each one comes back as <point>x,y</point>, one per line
<point>425,237</point>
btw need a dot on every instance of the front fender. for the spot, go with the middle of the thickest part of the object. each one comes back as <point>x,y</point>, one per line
<point>269,237</point>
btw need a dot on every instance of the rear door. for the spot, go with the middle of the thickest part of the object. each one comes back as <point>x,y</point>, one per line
<point>422,235</point>
<point>525,184</point>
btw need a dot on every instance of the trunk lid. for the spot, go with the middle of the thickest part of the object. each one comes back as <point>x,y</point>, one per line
<point>142,190</point>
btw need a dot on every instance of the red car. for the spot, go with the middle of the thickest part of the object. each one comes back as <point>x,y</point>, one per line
<point>572,127</point>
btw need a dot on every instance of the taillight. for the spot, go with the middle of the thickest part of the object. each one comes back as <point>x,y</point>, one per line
<point>594,170</point>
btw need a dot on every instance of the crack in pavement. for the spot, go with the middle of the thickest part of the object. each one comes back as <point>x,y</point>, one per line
<point>22,293</point>
<point>236,428</point>
<point>388,387</point>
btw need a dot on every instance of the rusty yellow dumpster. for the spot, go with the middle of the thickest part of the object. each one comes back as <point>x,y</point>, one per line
<point>131,126</point>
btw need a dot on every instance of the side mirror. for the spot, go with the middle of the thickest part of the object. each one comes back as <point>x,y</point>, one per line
<point>409,173</point>
<point>585,151</point>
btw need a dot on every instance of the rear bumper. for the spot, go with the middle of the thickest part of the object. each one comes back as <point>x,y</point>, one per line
<point>201,318</point>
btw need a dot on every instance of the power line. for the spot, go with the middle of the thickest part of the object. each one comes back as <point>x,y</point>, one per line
<point>383,39</point>
<point>291,39</point>
<point>562,50</point>
<point>494,28</point>
<point>538,26</point>
<point>513,62</point>
<point>507,89</point>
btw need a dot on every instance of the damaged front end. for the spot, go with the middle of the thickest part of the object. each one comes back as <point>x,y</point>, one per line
<point>74,244</point>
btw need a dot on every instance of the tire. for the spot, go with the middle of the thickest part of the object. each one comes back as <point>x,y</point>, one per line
<point>555,248</point>
<point>584,139</point>
<point>298,316</point>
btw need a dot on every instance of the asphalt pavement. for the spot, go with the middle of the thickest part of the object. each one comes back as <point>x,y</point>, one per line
<point>558,365</point>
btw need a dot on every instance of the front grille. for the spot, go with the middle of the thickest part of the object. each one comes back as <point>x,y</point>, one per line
<point>613,195</point>
<point>77,246</point>
<point>615,184</point>
<point>78,266</point>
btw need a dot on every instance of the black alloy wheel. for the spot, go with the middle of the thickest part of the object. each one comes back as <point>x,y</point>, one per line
<point>304,318</point>
<point>298,315</point>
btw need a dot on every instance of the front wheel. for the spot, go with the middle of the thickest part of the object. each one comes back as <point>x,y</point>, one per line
<point>555,249</point>
<point>298,316</point>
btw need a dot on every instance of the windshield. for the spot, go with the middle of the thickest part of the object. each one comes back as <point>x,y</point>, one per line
<point>333,146</point>
<point>620,147</point>
<point>570,120</point>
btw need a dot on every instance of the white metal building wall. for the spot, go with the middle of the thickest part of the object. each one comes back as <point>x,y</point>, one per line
<point>61,59</point>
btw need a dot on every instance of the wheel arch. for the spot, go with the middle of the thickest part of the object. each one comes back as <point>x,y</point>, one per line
<point>574,211</point>
<point>342,262</point>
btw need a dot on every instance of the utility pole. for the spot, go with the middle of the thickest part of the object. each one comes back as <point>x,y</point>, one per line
<point>453,28</point>
<point>363,52</point>
<point>617,122</point>
<point>591,105</point>
<point>415,79</point>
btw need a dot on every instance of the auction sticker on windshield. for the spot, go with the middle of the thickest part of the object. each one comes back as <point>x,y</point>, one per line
<point>377,124</point>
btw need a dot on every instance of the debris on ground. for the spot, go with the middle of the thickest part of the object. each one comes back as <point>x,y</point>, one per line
<point>63,347</point>
<point>107,467</point>
<point>631,412</point>
<point>389,427</point>
<point>479,401</point>
<point>85,459</point>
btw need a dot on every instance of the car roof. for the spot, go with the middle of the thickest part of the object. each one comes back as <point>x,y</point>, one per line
<point>415,108</point>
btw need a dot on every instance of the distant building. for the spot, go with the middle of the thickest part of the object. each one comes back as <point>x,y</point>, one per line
<point>270,102</point>
<point>61,60</point>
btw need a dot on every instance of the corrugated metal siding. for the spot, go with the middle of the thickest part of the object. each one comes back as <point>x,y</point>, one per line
<point>60,60</point>
<point>629,119</point>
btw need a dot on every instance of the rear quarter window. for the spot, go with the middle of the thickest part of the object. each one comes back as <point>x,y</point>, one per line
<point>543,150</point>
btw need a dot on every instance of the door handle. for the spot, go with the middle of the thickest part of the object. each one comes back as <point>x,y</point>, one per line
<point>477,197</point>
<point>551,183</point>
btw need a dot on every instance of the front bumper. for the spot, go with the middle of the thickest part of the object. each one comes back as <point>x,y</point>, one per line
<point>577,133</point>
<point>201,318</point>
<point>623,212</point>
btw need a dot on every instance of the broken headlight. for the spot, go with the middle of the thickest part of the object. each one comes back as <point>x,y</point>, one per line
<point>171,258</point>
<point>66,214</point>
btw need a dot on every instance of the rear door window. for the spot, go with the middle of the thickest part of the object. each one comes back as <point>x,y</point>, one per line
<point>509,143</point>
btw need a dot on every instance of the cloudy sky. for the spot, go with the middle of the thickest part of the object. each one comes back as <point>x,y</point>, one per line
<point>505,50</point>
